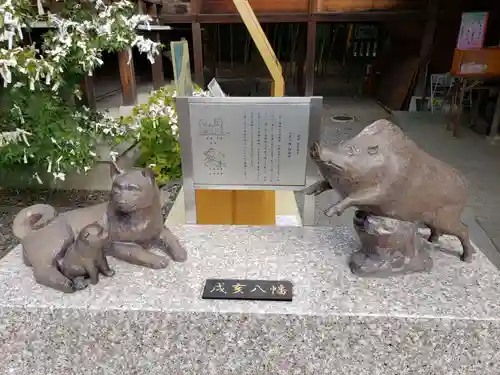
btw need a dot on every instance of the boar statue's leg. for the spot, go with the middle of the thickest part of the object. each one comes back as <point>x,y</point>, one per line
<point>460,230</point>
<point>448,222</point>
<point>361,198</point>
<point>317,188</point>
<point>434,237</point>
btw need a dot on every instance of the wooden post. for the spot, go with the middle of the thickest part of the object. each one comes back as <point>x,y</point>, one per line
<point>426,46</point>
<point>157,68</point>
<point>141,7</point>
<point>213,47</point>
<point>152,11</point>
<point>198,55</point>
<point>196,7</point>
<point>459,102</point>
<point>307,66</point>
<point>301,60</point>
<point>475,106</point>
<point>310,57</point>
<point>88,88</point>
<point>127,77</point>
<point>495,124</point>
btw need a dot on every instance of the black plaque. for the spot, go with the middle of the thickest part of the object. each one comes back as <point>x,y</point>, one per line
<point>264,290</point>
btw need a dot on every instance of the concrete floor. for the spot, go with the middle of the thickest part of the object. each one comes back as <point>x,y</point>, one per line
<point>471,154</point>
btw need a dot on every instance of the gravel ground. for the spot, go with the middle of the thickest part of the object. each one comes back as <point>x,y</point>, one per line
<point>12,201</point>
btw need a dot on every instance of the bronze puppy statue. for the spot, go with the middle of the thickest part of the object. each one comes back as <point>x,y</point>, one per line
<point>384,173</point>
<point>85,257</point>
<point>132,217</point>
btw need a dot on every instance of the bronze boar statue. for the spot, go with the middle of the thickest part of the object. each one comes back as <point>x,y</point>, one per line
<point>131,218</point>
<point>383,173</point>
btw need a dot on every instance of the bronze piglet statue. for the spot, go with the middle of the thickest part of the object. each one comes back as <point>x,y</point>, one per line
<point>384,173</point>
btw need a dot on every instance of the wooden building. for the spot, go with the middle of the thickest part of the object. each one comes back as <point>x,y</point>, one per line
<point>387,47</point>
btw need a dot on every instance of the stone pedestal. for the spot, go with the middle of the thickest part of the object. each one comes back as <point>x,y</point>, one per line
<point>152,322</point>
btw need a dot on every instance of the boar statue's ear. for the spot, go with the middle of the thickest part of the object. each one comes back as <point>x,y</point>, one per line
<point>114,170</point>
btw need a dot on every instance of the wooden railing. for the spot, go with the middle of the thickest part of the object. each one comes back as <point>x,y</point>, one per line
<point>163,9</point>
<point>302,6</point>
<point>155,8</point>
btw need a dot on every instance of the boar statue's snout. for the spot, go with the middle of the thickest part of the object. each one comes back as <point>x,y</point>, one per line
<point>314,151</point>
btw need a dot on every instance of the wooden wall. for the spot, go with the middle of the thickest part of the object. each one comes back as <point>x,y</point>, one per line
<point>161,8</point>
<point>448,27</point>
<point>302,6</point>
<point>259,6</point>
<point>359,5</point>
<point>155,8</point>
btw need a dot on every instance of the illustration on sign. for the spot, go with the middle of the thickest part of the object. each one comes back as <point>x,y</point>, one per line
<point>248,290</point>
<point>215,128</point>
<point>214,158</point>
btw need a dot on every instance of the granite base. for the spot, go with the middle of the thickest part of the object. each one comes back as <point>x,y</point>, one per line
<point>154,321</point>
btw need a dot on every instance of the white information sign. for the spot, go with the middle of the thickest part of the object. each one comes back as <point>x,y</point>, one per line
<point>241,144</point>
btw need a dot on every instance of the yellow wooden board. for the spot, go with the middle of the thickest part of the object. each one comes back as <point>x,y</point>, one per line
<point>214,207</point>
<point>236,207</point>
<point>254,207</point>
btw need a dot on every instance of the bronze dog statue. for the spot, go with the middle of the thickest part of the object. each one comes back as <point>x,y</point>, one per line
<point>85,257</point>
<point>132,218</point>
<point>384,173</point>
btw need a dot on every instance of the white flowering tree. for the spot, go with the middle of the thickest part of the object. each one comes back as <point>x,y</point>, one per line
<point>155,126</point>
<point>39,126</point>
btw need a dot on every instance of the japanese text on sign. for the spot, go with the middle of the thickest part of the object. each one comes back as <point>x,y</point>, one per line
<point>248,289</point>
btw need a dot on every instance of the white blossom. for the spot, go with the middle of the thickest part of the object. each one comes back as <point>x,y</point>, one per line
<point>59,176</point>
<point>69,35</point>
<point>37,177</point>
<point>113,155</point>
<point>14,137</point>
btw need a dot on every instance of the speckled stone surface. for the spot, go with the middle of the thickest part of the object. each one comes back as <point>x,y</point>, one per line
<point>154,321</point>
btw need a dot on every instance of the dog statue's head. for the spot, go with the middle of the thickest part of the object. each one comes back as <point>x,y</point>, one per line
<point>93,235</point>
<point>134,189</point>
